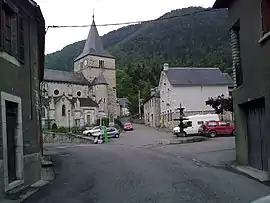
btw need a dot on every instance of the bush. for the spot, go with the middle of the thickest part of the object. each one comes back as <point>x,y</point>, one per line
<point>54,127</point>
<point>118,123</point>
<point>105,122</point>
<point>62,130</point>
<point>75,130</point>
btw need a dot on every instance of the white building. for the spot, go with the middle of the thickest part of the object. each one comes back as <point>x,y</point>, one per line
<point>76,98</point>
<point>190,87</point>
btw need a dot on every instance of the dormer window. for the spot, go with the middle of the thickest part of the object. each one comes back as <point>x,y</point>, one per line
<point>101,64</point>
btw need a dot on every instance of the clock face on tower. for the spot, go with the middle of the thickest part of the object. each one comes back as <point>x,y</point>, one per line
<point>85,62</point>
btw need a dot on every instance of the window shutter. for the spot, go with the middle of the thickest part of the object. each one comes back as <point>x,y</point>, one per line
<point>14,36</point>
<point>1,26</point>
<point>21,39</point>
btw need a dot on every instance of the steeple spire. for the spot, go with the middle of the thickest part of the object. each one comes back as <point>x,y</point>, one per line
<point>93,44</point>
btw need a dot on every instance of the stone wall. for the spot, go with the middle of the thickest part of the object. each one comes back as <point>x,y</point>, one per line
<point>62,138</point>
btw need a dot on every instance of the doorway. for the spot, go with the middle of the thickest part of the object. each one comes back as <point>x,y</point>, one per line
<point>11,116</point>
<point>257,150</point>
<point>11,125</point>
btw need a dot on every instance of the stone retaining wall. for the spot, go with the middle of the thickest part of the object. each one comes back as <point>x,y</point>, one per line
<point>61,138</point>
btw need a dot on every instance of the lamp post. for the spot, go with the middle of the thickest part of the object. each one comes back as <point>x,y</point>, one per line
<point>69,121</point>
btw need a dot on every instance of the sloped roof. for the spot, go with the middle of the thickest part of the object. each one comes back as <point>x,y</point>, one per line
<point>87,102</point>
<point>222,3</point>
<point>123,101</point>
<point>84,102</point>
<point>100,80</point>
<point>65,76</point>
<point>93,44</point>
<point>196,76</point>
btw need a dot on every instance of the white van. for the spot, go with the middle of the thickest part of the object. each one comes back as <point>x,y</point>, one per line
<point>194,122</point>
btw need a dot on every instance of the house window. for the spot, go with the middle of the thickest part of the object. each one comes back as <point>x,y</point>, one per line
<point>101,64</point>
<point>56,92</point>
<point>79,94</point>
<point>43,112</point>
<point>7,32</point>
<point>265,12</point>
<point>21,39</point>
<point>63,110</point>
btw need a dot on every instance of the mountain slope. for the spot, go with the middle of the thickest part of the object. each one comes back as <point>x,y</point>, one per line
<point>63,60</point>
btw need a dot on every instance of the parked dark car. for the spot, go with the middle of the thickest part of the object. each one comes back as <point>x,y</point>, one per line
<point>214,128</point>
<point>128,126</point>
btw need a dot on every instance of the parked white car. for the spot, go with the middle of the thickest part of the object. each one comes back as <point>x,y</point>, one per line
<point>92,131</point>
<point>194,122</point>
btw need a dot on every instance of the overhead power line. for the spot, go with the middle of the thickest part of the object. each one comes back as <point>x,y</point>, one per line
<point>131,22</point>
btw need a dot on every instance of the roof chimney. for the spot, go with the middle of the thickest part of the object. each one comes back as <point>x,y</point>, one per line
<point>166,66</point>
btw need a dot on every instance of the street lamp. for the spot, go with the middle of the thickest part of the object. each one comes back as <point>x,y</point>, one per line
<point>68,120</point>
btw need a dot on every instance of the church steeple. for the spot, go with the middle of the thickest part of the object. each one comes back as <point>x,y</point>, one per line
<point>93,44</point>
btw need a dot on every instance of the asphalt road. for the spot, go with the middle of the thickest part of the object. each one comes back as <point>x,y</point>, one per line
<point>134,169</point>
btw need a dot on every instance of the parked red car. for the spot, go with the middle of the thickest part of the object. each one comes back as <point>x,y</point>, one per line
<point>214,128</point>
<point>128,126</point>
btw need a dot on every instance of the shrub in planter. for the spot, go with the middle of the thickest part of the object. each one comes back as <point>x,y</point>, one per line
<point>62,130</point>
<point>54,127</point>
<point>105,122</point>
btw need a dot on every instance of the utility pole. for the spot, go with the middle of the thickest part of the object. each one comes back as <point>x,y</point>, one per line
<point>139,99</point>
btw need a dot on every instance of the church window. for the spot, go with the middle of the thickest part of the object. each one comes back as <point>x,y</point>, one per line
<point>101,64</point>
<point>63,110</point>
<point>56,92</point>
<point>79,93</point>
<point>43,112</point>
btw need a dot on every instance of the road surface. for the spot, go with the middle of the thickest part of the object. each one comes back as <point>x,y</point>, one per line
<point>134,169</point>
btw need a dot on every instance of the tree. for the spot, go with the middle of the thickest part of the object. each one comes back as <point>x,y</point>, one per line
<point>220,104</point>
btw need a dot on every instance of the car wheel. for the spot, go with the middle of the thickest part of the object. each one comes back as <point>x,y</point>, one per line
<point>233,133</point>
<point>212,134</point>
<point>89,134</point>
<point>117,135</point>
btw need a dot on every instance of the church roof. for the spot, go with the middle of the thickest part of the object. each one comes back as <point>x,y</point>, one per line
<point>65,76</point>
<point>100,80</point>
<point>84,102</point>
<point>93,44</point>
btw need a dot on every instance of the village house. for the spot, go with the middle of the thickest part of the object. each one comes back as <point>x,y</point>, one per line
<point>151,109</point>
<point>22,38</point>
<point>123,102</point>
<point>78,98</point>
<point>250,34</point>
<point>190,87</point>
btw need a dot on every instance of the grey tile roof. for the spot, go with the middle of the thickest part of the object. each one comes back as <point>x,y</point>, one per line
<point>123,101</point>
<point>229,78</point>
<point>93,44</point>
<point>87,102</point>
<point>84,102</point>
<point>196,76</point>
<point>64,76</point>
<point>100,80</point>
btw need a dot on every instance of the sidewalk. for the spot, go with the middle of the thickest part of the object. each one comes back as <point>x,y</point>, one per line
<point>21,193</point>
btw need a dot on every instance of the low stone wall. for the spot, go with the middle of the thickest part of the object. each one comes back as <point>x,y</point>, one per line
<point>61,138</point>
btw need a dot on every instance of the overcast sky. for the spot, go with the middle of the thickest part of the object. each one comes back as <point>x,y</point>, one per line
<point>79,12</point>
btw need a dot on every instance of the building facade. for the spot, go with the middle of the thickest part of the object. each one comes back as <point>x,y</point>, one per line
<point>250,48</point>
<point>78,98</point>
<point>151,109</point>
<point>190,87</point>
<point>123,102</point>
<point>22,38</point>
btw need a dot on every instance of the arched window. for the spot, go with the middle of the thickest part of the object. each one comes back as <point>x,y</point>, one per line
<point>63,110</point>
<point>43,112</point>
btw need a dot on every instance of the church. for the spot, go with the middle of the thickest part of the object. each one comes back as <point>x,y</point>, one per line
<point>79,98</point>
